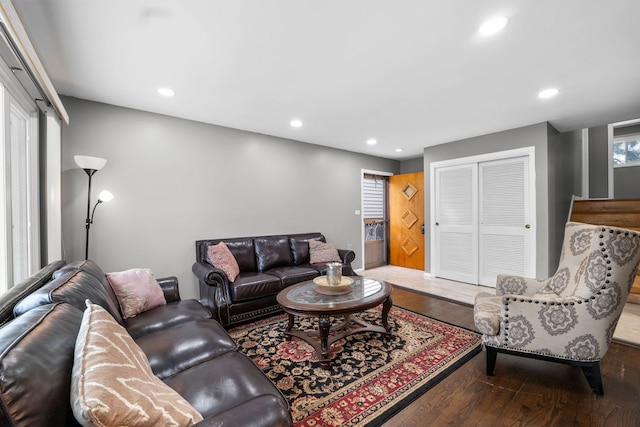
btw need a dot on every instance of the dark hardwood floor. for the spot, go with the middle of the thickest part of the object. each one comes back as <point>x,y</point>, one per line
<point>523,392</point>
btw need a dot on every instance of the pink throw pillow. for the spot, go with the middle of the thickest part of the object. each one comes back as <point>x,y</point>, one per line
<point>137,291</point>
<point>320,252</point>
<point>221,257</point>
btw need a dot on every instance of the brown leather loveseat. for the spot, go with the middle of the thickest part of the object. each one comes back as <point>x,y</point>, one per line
<point>186,349</point>
<point>267,265</point>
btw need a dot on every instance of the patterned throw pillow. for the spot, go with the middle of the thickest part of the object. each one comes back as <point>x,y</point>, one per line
<point>322,252</point>
<point>137,291</point>
<point>112,383</point>
<point>221,257</point>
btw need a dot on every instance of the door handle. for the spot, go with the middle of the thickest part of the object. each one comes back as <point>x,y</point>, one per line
<point>437,223</point>
<point>422,228</point>
<point>527,226</point>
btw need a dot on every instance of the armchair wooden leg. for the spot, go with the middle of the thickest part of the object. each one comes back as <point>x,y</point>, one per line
<point>492,354</point>
<point>594,378</point>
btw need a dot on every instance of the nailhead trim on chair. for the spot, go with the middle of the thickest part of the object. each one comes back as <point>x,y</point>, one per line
<point>590,367</point>
<point>604,286</point>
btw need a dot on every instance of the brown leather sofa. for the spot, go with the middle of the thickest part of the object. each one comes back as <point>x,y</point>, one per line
<point>187,349</point>
<point>267,264</point>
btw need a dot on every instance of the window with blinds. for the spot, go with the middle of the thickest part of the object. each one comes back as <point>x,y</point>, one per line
<point>373,207</point>
<point>374,214</point>
<point>373,197</point>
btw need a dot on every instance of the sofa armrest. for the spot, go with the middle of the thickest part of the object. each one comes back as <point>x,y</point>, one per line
<point>261,411</point>
<point>533,324</point>
<point>347,255</point>
<point>170,289</point>
<point>208,274</point>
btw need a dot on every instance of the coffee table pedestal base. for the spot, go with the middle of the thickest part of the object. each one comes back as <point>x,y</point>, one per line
<point>329,334</point>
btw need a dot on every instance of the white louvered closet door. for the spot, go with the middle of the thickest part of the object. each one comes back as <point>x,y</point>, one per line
<point>456,256</point>
<point>504,219</point>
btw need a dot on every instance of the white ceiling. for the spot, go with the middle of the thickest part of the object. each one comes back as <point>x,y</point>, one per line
<point>409,73</point>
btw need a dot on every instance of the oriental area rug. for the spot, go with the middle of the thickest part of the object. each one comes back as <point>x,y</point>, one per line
<point>370,379</point>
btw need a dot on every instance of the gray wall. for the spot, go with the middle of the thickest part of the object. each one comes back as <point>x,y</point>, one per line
<point>176,181</point>
<point>626,182</point>
<point>529,136</point>
<point>412,165</point>
<point>598,162</point>
<point>573,140</point>
<point>564,159</point>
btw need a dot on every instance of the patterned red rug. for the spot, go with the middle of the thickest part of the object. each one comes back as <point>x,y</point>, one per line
<point>370,379</point>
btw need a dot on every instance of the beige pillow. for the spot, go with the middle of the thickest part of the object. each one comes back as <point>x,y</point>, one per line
<point>112,383</point>
<point>322,252</point>
<point>221,257</point>
<point>137,290</point>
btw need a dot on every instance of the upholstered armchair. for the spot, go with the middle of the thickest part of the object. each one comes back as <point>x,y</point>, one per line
<point>569,317</point>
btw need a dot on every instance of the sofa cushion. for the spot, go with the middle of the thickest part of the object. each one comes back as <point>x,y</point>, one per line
<point>221,257</point>
<point>220,384</point>
<point>300,248</point>
<point>137,290</point>
<point>486,313</point>
<point>272,252</point>
<point>36,354</point>
<point>166,316</point>
<point>249,286</point>
<point>112,383</point>
<point>292,275</point>
<point>73,287</point>
<point>184,346</point>
<point>322,252</point>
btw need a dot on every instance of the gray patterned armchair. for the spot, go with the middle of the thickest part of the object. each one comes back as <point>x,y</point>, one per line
<point>569,317</point>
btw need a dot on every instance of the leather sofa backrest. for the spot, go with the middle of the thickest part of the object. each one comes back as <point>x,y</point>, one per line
<point>17,292</point>
<point>299,244</point>
<point>95,270</point>
<point>36,353</point>
<point>272,252</point>
<point>73,287</point>
<point>257,257</point>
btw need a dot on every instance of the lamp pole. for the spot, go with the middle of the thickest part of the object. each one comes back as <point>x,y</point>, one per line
<point>89,172</point>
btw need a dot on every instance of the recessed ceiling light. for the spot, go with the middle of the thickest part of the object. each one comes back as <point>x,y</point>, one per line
<point>493,25</point>
<point>398,150</point>
<point>295,123</point>
<point>165,91</point>
<point>371,142</point>
<point>548,93</point>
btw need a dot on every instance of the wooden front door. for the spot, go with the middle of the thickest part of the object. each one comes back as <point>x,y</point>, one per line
<point>406,220</point>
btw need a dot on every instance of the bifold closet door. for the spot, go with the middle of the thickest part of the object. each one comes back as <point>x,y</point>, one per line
<point>504,219</point>
<point>456,242</point>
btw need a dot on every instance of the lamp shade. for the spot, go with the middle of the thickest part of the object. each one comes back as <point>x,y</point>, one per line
<point>88,162</point>
<point>105,196</point>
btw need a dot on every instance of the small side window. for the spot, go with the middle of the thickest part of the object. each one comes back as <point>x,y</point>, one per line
<point>626,151</point>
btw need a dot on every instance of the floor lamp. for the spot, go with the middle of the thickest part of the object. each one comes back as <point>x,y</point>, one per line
<point>91,165</point>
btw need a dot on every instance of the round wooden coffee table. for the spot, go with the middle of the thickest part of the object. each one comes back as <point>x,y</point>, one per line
<point>303,300</point>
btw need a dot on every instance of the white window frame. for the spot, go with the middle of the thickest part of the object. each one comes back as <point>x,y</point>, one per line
<point>610,131</point>
<point>625,139</point>
<point>13,95</point>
